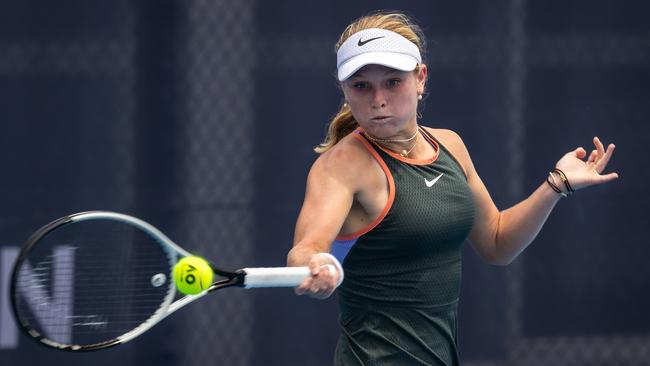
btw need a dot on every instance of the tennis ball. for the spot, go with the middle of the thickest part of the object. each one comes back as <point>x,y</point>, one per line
<point>192,275</point>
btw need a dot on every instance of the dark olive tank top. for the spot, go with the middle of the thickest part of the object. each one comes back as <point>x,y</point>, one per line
<point>399,298</point>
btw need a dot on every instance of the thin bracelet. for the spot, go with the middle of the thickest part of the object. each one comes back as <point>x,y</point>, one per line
<point>556,185</point>
<point>564,179</point>
<point>553,185</point>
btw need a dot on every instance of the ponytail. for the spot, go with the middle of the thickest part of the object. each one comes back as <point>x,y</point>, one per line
<point>341,125</point>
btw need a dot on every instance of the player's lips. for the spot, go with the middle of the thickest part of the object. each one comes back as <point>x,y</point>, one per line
<point>380,118</point>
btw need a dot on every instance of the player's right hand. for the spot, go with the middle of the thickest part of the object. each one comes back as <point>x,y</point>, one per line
<point>323,280</point>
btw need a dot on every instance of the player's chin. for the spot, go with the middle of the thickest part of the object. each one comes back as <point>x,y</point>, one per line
<point>385,129</point>
<point>381,126</point>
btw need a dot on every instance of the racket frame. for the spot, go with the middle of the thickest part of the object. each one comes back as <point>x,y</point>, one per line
<point>167,307</point>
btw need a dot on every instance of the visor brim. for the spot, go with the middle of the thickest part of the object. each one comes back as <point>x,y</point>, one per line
<point>393,60</point>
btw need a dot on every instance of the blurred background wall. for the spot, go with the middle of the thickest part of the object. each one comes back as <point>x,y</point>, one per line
<point>200,116</point>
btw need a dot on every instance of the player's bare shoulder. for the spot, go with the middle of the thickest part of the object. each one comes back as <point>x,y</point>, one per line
<point>347,161</point>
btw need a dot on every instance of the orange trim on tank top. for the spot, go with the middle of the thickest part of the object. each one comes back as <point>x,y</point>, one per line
<point>391,192</point>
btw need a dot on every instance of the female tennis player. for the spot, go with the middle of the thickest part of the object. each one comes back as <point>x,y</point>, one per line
<point>392,201</point>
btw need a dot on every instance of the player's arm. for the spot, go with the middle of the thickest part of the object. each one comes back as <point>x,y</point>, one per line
<point>500,236</point>
<point>331,185</point>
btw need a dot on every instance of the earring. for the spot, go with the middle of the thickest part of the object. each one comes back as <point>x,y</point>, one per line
<point>345,104</point>
<point>419,96</point>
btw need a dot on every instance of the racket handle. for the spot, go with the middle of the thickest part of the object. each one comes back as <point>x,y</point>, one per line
<point>275,276</point>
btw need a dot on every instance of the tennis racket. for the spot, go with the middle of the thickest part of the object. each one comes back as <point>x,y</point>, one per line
<point>93,280</point>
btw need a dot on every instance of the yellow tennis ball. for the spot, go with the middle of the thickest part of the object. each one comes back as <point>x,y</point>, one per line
<point>192,275</point>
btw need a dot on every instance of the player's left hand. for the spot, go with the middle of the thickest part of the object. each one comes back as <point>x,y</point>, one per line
<point>583,173</point>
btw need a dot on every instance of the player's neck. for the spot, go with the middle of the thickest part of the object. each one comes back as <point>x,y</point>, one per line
<point>404,146</point>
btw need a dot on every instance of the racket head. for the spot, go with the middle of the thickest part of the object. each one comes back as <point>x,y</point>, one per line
<point>93,280</point>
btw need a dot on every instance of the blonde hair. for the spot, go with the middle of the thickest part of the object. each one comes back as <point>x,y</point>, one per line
<point>343,123</point>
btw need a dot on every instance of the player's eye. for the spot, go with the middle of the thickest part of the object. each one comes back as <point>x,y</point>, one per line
<point>391,83</point>
<point>360,85</point>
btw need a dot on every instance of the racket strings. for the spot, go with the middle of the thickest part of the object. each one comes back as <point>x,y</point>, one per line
<point>92,281</point>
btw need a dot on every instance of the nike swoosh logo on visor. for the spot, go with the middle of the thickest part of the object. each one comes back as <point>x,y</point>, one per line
<point>361,43</point>
<point>430,183</point>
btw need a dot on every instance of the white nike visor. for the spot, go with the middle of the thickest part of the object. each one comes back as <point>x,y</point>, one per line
<point>377,47</point>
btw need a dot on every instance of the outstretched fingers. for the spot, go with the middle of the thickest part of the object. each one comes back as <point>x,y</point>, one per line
<point>603,157</point>
<point>592,157</point>
<point>599,147</point>
<point>584,168</point>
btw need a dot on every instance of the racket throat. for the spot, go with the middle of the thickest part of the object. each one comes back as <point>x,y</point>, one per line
<point>237,278</point>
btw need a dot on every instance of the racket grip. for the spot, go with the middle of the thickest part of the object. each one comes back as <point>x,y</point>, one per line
<point>275,276</point>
